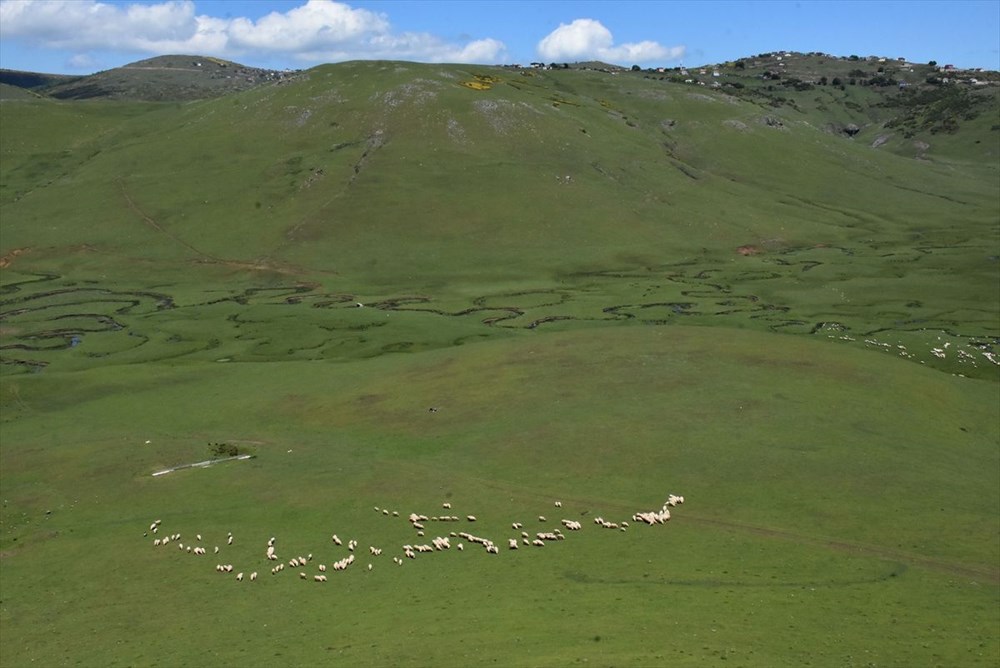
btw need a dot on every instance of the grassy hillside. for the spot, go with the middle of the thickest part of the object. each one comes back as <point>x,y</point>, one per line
<point>400,285</point>
<point>167,78</point>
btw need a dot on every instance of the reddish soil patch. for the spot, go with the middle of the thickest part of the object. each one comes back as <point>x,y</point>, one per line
<point>7,259</point>
<point>748,250</point>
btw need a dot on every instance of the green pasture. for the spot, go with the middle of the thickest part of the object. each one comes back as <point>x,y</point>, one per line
<point>395,290</point>
<point>818,487</point>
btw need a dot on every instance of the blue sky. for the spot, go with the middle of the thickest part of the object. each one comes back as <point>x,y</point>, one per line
<point>84,36</point>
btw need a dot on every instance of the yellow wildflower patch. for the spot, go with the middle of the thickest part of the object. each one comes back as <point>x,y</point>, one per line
<point>481,82</point>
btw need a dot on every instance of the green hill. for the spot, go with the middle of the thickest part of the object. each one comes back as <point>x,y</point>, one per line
<point>401,285</point>
<point>159,79</point>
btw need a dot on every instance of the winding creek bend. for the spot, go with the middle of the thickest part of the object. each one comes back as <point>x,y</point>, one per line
<point>45,317</point>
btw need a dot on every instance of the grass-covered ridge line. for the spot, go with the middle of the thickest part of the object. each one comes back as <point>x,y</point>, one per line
<point>394,289</point>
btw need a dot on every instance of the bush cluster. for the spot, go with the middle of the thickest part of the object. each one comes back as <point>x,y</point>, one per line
<point>224,449</point>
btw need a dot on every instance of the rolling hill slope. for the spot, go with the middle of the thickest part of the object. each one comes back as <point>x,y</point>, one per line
<point>399,285</point>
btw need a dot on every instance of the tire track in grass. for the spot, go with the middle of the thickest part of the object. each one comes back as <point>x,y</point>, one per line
<point>857,549</point>
<point>208,258</point>
<point>159,228</point>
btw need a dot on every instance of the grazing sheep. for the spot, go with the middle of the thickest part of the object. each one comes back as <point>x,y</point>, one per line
<point>322,567</point>
<point>471,518</point>
<point>253,576</point>
<point>538,543</point>
<point>460,547</point>
<point>446,506</point>
<point>239,576</point>
<point>512,543</point>
<point>229,541</point>
<point>541,518</point>
<point>516,525</point>
<point>303,575</point>
<point>198,536</point>
<point>156,542</point>
<point>336,540</point>
<point>216,549</point>
<point>369,567</point>
<point>558,504</point>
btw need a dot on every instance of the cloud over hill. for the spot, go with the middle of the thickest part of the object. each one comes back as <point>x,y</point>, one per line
<point>319,30</point>
<point>588,39</point>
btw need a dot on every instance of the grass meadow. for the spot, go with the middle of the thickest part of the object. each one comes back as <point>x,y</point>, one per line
<point>397,291</point>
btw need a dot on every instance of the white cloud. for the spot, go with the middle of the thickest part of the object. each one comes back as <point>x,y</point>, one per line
<point>585,39</point>
<point>316,31</point>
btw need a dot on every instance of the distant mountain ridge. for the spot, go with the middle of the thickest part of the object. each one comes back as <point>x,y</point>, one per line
<point>159,79</point>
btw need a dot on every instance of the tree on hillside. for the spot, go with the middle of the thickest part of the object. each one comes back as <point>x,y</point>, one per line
<point>636,68</point>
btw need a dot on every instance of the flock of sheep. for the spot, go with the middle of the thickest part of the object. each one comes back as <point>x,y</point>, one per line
<point>410,550</point>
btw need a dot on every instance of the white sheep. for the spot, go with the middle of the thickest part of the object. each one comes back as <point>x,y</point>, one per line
<point>239,576</point>
<point>253,576</point>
